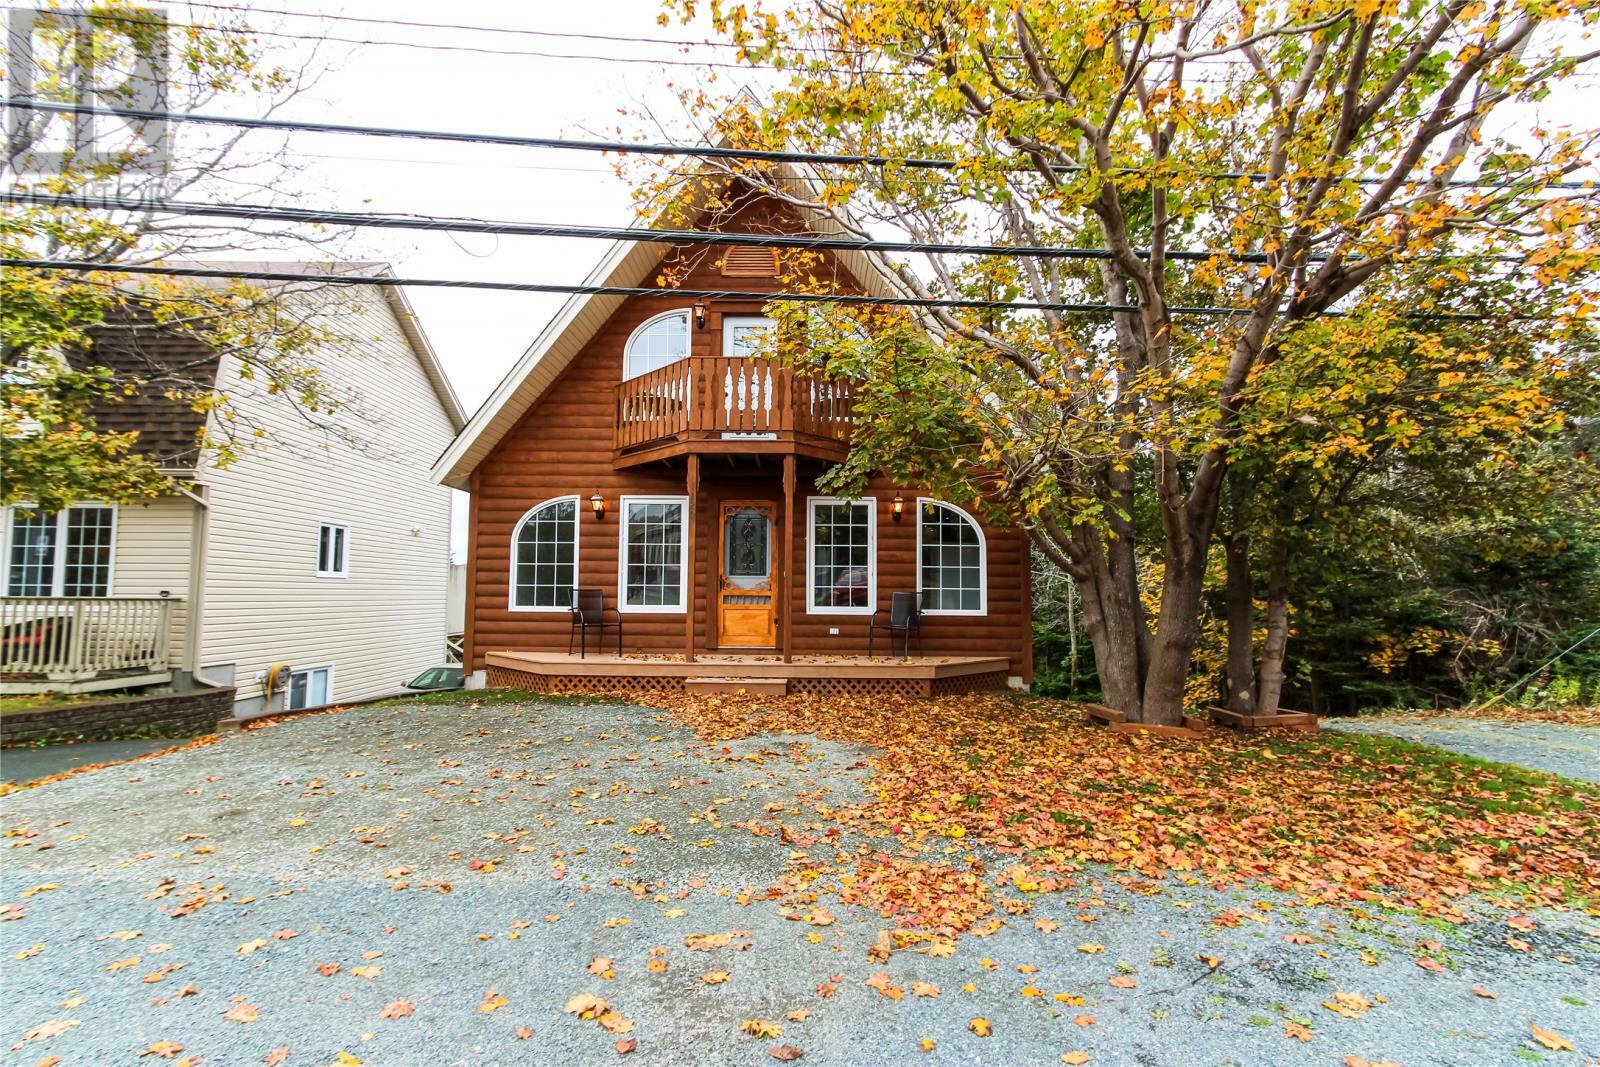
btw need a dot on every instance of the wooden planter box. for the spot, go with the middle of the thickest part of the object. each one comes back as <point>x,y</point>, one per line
<point>1118,723</point>
<point>1300,721</point>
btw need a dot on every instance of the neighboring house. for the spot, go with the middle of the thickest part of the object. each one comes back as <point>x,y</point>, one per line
<point>640,452</point>
<point>325,560</point>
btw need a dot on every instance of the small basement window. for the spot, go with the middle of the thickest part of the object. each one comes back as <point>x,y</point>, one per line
<point>333,551</point>
<point>310,688</point>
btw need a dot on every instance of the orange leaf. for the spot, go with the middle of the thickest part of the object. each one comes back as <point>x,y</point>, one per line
<point>785,1052</point>
<point>397,1009</point>
<point>1550,1039</point>
<point>1075,1057</point>
<point>626,1045</point>
<point>1122,981</point>
<point>1296,1031</point>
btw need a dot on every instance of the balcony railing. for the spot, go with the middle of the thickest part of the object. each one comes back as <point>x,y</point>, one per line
<point>730,397</point>
<point>75,638</point>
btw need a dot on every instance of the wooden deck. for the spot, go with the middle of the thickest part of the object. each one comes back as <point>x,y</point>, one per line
<point>768,674</point>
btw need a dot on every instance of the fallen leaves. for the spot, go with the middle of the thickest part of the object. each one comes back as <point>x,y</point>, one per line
<point>493,1001</point>
<point>761,1028</point>
<point>1075,1059</point>
<point>601,967</point>
<point>879,980</point>
<point>242,1012</point>
<point>1297,1031</point>
<point>45,1031</point>
<point>1350,1005</point>
<point>706,942</point>
<point>924,989</point>
<point>625,1045</point>
<point>981,1026</point>
<point>785,1053</point>
<point>590,1007</point>
<point>164,1049</point>
<point>715,977</point>
<point>397,1009</point>
<point>1478,990</point>
<point>1428,963</point>
<point>367,972</point>
<point>1550,1039</point>
<point>1121,981</point>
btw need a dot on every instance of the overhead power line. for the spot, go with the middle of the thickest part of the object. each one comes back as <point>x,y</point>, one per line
<point>453,224</point>
<point>640,148</point>
<point>853,299</point>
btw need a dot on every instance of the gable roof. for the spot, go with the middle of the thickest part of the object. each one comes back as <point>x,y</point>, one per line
<point>625,264</point>
<point>399,306</point>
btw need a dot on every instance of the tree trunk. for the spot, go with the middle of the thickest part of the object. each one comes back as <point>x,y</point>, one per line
<point>1111,637</point>
<point>1240,597</point>
<point>1277,642</point>
<point>1177,630</point>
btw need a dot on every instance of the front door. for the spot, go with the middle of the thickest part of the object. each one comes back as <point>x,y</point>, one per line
<point>747,596</point>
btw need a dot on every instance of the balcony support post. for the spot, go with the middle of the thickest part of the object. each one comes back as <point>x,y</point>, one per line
<point>785,585</point>
<point>691,558</point>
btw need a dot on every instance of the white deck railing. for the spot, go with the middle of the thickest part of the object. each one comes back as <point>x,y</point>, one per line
<point>71,638</point>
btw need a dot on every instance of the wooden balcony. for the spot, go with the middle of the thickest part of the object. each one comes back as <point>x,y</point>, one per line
<point>731,405</point>
<point>74,644</point>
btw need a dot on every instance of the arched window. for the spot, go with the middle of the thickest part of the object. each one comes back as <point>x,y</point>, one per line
<point>544,557</point>
<point>658,342</point>
<point>952,568</point>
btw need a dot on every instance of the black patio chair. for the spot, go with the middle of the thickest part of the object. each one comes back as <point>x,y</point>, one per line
<point>905,616</point>
<point>589,613</point>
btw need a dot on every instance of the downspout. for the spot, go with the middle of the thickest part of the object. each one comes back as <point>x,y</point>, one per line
<point>199,527</point>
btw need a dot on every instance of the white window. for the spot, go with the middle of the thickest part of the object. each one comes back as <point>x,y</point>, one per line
<point>842,557</point>
<point>747,335</point>
<point>68,553</point>
<point>660,341</point>
<point>310,688</point>
<point>544,557</point>
<point>652,575</point>
<point>952,563</point>
<point>333,551</point>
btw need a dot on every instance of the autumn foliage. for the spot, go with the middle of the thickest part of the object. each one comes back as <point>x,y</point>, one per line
<point>1032,781</point>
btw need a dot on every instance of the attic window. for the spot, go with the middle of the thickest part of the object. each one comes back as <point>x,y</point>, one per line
<point>750,263</point>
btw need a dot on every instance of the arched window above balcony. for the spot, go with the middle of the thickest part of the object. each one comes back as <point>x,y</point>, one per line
<point>658,342</point>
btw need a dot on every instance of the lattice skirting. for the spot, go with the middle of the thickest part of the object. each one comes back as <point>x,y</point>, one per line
<point>579,684</point>
<point>510,678</point>
<point>859,687</point>
<point>970,683</point>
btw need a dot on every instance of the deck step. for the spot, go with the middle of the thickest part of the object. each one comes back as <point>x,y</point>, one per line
<point>770,687</point>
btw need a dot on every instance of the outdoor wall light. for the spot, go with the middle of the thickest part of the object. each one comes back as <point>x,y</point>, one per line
<point>897,507</point>
<point>699,316</point>
<point>598,503</point>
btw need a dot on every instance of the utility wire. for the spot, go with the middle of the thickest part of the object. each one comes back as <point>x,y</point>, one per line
<point>453,224</point>
<point>853,299</point>
<point>646,148</point>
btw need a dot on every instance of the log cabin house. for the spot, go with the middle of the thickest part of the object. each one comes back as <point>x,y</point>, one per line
<point>646,448</point>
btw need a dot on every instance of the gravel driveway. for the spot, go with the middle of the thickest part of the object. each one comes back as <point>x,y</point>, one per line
<point>472,869</point>
<point>1570,751</point>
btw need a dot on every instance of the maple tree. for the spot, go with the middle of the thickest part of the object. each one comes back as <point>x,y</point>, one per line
<point>54,391</point>
<point>1282,162</point>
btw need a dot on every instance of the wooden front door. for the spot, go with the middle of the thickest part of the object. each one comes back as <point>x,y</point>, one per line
<point>747,595</point>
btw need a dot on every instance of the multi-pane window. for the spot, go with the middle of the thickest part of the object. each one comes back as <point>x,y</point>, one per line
<point>333,549</point>
<point>842,563</point>
<point>64,554</point>
<point>950,560</point>
<point>659,342</point>
<point>652,559</point>
<point>544,567</point>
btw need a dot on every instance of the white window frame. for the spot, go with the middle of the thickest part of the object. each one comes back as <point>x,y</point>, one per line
<point>729,321</point>
<point>288,685</point>
<point>577,559</point>
<point>983,559</point>
<point>686,566</point>
<point>688,339</point>
<point>871,607</point>
<point>58,570</point>
<point>343,556</point>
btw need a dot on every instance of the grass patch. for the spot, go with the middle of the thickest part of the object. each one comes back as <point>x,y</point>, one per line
<point>1472,785</point>
<point>19,703</point>
<point>464,697</point>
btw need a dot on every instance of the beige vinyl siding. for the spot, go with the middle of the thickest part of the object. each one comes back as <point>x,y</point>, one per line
<point>153,550</point>
<point>264,603</point>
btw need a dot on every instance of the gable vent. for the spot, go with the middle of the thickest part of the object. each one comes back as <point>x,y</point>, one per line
<point>750,263</point>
